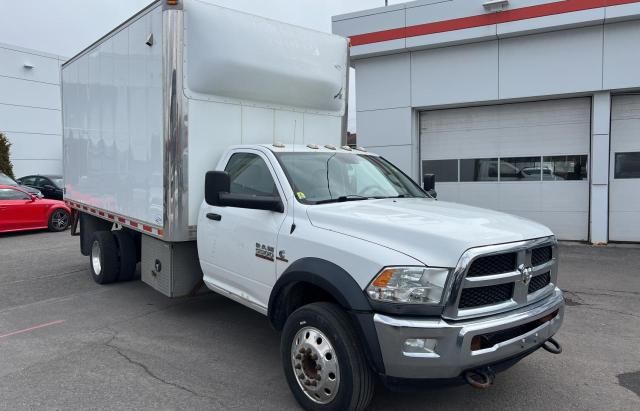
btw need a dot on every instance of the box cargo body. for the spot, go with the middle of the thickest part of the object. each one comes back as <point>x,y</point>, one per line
<point>151,106</point>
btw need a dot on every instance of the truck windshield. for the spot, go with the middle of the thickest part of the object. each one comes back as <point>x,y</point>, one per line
<point>333,177</point>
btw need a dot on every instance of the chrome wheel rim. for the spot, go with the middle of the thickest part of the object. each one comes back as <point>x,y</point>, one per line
<point>96,264</point>
<point>60,219</point>
<point>315,365</point>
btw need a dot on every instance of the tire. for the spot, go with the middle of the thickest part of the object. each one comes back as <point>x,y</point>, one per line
<point>127,255</point>
<point>59,220</point>
<point>103,258</point>
<point>321,334</point>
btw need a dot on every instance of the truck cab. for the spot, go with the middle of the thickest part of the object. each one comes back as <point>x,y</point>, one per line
<point>336,244</point>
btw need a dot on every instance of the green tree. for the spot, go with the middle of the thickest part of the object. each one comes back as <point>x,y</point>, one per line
<point>5,163</point>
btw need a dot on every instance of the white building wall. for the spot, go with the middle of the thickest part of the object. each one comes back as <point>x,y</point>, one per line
<point>30,109</point>
<point>590,52</point>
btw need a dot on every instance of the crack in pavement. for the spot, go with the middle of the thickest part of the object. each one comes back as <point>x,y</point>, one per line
<point>572,299</point>
<point>148,371</point>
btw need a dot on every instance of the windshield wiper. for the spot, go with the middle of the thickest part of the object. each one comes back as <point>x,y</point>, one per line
<point>399,196</point>
<point>341,199</point>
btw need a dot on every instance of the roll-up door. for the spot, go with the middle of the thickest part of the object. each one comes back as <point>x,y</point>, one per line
<point>624,188</point>
<point>529,159</point>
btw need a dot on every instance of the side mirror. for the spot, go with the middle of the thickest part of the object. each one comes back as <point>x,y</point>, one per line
<point>429,184</point>
<point>215,182</point>
<point>33,197</point>
<point>216,193</point>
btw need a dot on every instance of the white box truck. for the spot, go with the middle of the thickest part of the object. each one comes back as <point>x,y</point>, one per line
<point>204,145</point>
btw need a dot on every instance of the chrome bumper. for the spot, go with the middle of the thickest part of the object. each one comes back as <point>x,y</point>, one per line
<point>453,354</point>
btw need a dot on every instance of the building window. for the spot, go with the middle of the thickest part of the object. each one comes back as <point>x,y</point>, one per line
<point>565,167</point>
<point>520,169</point>
<point>479,169</point>
<point>627,165</point>
<point>446,171</point>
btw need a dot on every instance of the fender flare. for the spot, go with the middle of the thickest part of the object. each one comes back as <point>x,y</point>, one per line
<point>338,283</point>
<point>324,274</point>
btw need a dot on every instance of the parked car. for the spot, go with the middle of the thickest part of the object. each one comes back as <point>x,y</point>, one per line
<point>20,210</point>
<point>8,181</point>
<point>50,185</point>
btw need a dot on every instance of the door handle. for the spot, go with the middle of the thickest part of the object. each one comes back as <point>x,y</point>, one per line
<point>214,216</point>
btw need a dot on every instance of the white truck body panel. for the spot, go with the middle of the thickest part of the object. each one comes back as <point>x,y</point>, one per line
<point>144,123</point>
<point>112,118</point>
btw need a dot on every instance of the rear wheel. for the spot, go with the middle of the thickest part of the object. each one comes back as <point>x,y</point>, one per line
<point>127,255</point>
<point>103,260</point>
<point>59,220</point>
<point>323,362</point>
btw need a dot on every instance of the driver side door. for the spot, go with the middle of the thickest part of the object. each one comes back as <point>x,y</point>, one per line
<point>240,243</point>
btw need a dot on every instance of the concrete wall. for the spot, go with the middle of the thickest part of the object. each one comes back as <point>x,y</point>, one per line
<point>30,109</point>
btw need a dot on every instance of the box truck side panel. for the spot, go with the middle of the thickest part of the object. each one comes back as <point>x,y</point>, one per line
<point>113,130</point>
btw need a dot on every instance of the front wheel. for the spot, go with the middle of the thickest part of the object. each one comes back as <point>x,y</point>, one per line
<point>323,362</point>
<point>59,220</point>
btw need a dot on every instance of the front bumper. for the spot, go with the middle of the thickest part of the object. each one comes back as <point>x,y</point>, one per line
<point>453,354</point>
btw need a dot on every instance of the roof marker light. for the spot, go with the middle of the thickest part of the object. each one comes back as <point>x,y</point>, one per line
<point>313,146</point>
<point>347,148</point>
<point>278,144</point>
<point>330,146</point>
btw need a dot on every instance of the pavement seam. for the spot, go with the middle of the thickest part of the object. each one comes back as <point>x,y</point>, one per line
<point>148,371</point>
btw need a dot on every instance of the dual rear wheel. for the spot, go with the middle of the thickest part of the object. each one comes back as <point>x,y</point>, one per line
<point>113,256</point>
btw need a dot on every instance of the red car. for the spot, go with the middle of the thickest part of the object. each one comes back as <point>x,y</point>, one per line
<point>20,210</point>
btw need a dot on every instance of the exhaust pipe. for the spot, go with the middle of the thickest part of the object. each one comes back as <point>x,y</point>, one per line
<point>481,378</point>
<point>552,346</point>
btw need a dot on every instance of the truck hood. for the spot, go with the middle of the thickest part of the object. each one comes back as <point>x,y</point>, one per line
<point>433,232</point>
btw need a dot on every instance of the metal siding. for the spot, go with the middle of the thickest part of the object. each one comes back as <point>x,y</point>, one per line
<point>458,74</point>
<point>384,127</point>
<point>621,56</point>
<point>552,63</point>
<point>624,200</point>
<point>383,82</point>
<point>552,127</point>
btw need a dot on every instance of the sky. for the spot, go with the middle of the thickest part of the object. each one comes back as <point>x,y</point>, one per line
<point>65,27</point>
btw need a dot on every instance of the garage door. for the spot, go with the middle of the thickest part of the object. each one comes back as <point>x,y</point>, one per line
<point>528,159</point>
<point>624,189</point>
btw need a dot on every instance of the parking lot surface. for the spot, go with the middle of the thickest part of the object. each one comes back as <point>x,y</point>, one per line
<point>66,342</point>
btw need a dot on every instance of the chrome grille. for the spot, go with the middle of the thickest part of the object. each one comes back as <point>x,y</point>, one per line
<point>502,277</point>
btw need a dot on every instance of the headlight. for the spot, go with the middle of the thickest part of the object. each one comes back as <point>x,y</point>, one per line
<point>409,285</point>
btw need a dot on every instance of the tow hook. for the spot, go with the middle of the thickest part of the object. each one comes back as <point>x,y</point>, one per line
<point>552,346</point>
<point>481,378</point>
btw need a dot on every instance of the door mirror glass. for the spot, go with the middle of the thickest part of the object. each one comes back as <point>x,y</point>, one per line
<point>215,182</point>
<point>429,184</point>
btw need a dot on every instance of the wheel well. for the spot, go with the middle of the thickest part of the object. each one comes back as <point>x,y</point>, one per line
<point>294,296</point>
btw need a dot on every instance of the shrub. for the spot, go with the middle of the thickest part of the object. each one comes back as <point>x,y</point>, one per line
<point>5,162</point>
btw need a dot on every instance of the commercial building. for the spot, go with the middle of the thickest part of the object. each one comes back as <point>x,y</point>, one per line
<point>525,106</point>
<point>30,109</point>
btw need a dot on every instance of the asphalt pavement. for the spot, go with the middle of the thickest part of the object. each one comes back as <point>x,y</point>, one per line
<point>68,343</point>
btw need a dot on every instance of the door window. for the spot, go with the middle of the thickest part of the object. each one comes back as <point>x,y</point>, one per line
<point>249,174</point>
<point>28,181</point>
<point>9,194</point>
<point>627,165</point>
